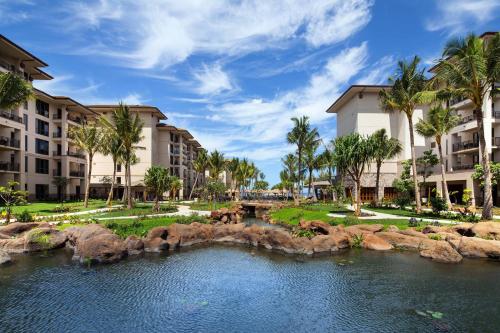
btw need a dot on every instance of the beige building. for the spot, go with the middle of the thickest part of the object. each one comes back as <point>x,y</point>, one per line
<point>162,144</point>
<point>34,147</point>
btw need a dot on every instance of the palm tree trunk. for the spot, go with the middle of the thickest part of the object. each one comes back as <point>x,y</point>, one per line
<point>443,177</point>
<point>414,166</point>
<point>194,185</point>
<point>110,195</point>
<point>377,184</point>
<point>487,213</point>
<point>87,186</point>
<point>300,171</point>
<point>357,210</point>
<point>129,192</point>
<point>309,186</point>
<point>157,203</point>
<point>125,187</point>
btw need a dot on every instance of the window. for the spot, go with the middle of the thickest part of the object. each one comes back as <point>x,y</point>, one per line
<point>41,147</point>
<point>118,180</point>
<point>25,163</point>
<point>42,108</point>
<point>42,166</point>
<point>26,105</point>
<point>25,121</point>
<point>42,127</point>
<point>25,186</point>
<point>433,145</point>
<point>26,143</point>
<point>118,168</point>
<point>41,191</point>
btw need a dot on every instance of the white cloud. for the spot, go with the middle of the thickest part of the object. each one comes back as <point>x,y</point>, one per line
<point>379,72</point>
<point>166,32</point>
<point>459,16</point>
<point>212,80</point>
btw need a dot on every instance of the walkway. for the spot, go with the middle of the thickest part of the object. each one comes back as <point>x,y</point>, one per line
<point>182,210</point>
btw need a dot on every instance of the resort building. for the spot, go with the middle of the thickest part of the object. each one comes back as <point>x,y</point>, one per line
<point>34,146</point>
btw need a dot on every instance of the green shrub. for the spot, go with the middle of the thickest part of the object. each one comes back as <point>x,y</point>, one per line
<point>357,241</point>
<point>350,220</point>
<point>303,233</point>
<point>413,222</point>
<point>191,219</point>
<point>25,216</point>
<point>435,237</point>
<point>61,209</point>
<point>438,205</point>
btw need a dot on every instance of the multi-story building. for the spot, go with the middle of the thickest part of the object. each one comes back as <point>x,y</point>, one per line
<point>34,146</point>
<point>162,144</point>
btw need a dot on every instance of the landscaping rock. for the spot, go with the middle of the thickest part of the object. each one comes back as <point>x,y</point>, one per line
<point>369,227</point>
<point>41,239</point>
<point>227,232</point>
<point>157,240</point>
<point>103,249</point>
<point>402,241</point>
<point>134,245</point>
<point>413,233</point>
<point>373,242</point>
<point>477,247</point>
<point>487,230</point>
<point>464,229</point>
<point>330,243</point>
<point>189,234</point>
<point>78,234</point>
<point>278,239</point>
<point>392,228</point>
<point>16,228</point>
<point>442,251</point>
<point>319,227</point>
<point>12,245</point>
<point>4,258</point>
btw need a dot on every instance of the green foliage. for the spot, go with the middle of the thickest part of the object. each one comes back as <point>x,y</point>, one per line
<point>438,204</point>
<point>25,216</point>
<point>404,186</point>
<point>357,241</point>
<point>261,185</point>
<point>413,222</point>
<point>61,209</point>
<point>14,90</point>
<point>478,173</point>
<point>158,181</point>
<point>350,220</point>
<point>297,232</point>
<point>190,219</point>
<point>426,162</point>
<point>435,237</point>
<point>11,197</point>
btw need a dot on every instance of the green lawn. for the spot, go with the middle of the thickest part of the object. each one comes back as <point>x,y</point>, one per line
<point>204,205</point>
<point>47,208</point>
<point>138,210</point>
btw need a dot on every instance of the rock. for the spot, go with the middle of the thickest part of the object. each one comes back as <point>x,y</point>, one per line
<point>227,232</point>
<point>189,234</point>
<point>477,247</point>
<point>487,230</point>
<point>17,228</point>
<point>157,240</point>
<point>134,245</point>
<point>103,249</point>
<point>223,211</point>
<point>224,219</point>
<point>413,233</point>
<point>373,242</point>
<point>442,251</point>
<point>12,245</point>
<point>4,236</point>
<point>330,243</point>
<point>464,229</point>
<point>370,227</point>
<point>407,242</point>
<point>392,228</point>
<point>278,239</point>
<point>4,258</point>
<point>40,239</point>
<point>81,233</point>
<point>319,227</point>
<point>251,235</point>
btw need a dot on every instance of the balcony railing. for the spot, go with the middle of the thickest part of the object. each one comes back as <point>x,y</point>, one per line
<point>56,153</point>
<point>80,174</point>
<point>11,116</point>
<point>56,173</point>
<point>57,135</point>
<point>76,154</point>
<point>470,144</point>
<point>6,141</point>
<point>77,120</point>
<point>463,167</point>
<point>8,166</point>
<point>56,116</point>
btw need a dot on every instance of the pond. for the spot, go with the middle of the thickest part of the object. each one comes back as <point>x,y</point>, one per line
<point>240,289</point>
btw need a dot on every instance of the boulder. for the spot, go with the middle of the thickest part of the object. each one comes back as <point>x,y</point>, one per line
<point>189,234</point>
<point>16,228</point>
<point>413,233</point>
<point>442,251</point>
<point>134,245</point>
<point>157,240</point>
<point>373,242</point>
<point>227,232</point>
<point>330,243</point>
<point>477,247</point>
<point>319,227</point>
<point>278,239</point>
<point>464,229</point>
<point>41,239</point>
<point>81,233</point>
<point>302,245</point>
<point>251,235</point>
<point>487,230</point>
<point>12,245</point>
<point>369,227</point>
<point>402,241</point>
<point>103,248</point>
<point>4,258</point>
<point>392,228</point>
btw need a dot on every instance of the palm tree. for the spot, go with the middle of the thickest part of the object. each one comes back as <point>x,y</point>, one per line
<point>61,183</point>
<point>312,162</point>
<point>232,166</point>
<point>327,159</point>
<point>470,68</point>
<point>300,135</point>
<point>89,138</point>
<point>112,146</point>
<point>175,186</point>
<point>158,180</point>
<point>353,154</point>
<point>439,122</point>
<point>200,164</point>
<point>128,127</point>
<point>14,90</point>
<point>244,174</point>
<point>408,90</point>
<point>384,148</point>
<point>216,164</point>
<point>290,163</point>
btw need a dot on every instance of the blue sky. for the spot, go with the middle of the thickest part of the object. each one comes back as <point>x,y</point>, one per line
<point>234,72</point>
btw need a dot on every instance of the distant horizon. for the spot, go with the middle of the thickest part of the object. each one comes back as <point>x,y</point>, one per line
<point>236,72</point>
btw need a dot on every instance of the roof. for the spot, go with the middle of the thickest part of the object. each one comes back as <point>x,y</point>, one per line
<point>350,92</point>
<point>70,103</point>
<point>134,108</point>
<point>184,132</point>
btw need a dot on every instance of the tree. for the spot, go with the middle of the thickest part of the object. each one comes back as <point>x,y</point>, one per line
<point>478,173</point>
<point>89,138</point>
<point>128,127</point>
<point>470,67</point>
<point>300,135</point>
<point>384,148</point>
<point>215,188</point>
<point>158,181</point>
<point>244,173</point>
<point>216,164</point>
<point>113,146</point>
<point>200,164</point>
<point>439,122</point>
<point>404,185</point>
<point>290,164</point>
<point>61,183</point>
<point>232,166</point>
<point>14,90</point>
<point>328,163</point>
<point>426,162</point>
<point>353,154</point>
<point>175,186</point>
<point>312,162</point>
<point>409,89</point>
<point>11,197</point>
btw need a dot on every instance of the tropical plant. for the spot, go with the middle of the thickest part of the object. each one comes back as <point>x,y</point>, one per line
<point>290,175</point>
<point>14,90</point>
<point>384,148</point>
<point>89,138</point>
<point>215,188</point>
<point>11,197</point>
<point>353,154</point>
<point>327,159</point>
<point>408,90</point>
<point>175,187</point>
<point>232,166</point>
<point>470,68</point>
<point>300,135</point>
<point>404,186</point>
<point>439,122</point>
<point>312,162</point>
<point>200,164</point>
<point>158,181</point>
<point>244,174</point>
<point>112,147</point>
<point>425,163</point>
<point>61,183</point>
<point>478,173</point>
<point>216,164</point>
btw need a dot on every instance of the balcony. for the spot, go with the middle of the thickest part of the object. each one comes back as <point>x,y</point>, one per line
<point>56,153</point>
<point>465,145</point>
<point>8,166</point>
<point>57,135</point>
<point>8,142</point>
<point>11,116</point>
<point>76,154</point>
<point>78,174</point>
<point>77,120</point>
<point>56,173</point>
<point>459,167</point>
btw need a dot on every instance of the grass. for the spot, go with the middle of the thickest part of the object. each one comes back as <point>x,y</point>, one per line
<point>205,205</point>
<point>47,208</point>
<point>138,210</point>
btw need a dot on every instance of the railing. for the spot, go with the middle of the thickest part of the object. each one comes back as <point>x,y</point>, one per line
<point>77,120</point>
<point>6,141</point>
<point>76,154</point>
<point>80,174</point>
<point>57,135</point>
<point>56,173</point>
<point>56,116</point>
<point>470,144</point>
<point>11,116</point>
<point>7,166</point>
<point>463,167</point>
<point>56,153</point>
<point>466,119</point>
